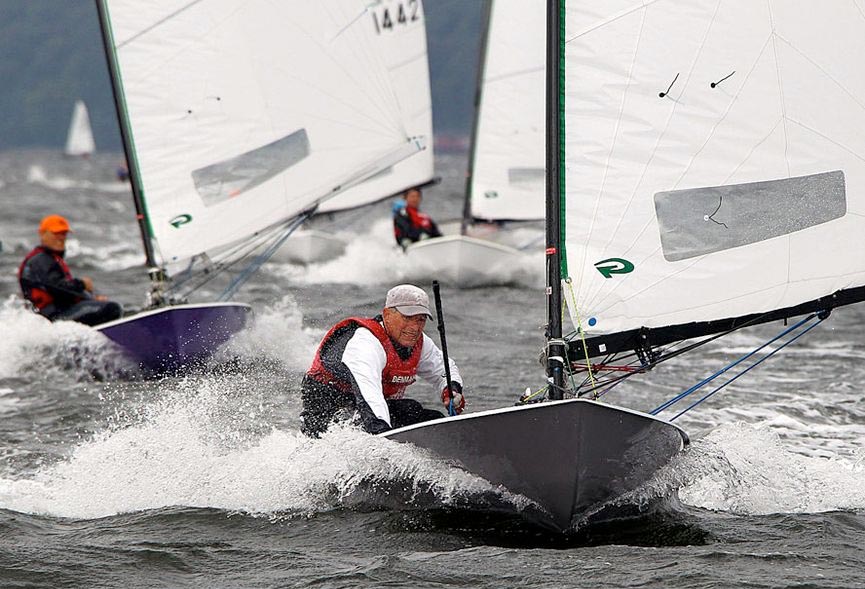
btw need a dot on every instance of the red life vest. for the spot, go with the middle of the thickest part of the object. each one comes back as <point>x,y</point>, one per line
<point>419,219</point>
<point>397,375</point>
<point>40,297</point>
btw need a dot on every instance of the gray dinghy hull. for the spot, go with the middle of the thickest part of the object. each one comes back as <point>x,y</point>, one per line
<point>568,456</point>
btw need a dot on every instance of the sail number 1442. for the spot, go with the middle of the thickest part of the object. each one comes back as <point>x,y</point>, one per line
<point>395,14</point>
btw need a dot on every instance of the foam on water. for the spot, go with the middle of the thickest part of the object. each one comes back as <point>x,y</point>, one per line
<point>187,450</point>
<point>749,470</point>
<point>36,175</point>
<point>277,333</point>
<point>29,340</point>
<point>374,258</point>
<point>369,258</point>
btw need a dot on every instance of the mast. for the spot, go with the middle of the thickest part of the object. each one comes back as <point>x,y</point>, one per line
<point>556,353</point>
<point>482,61</point>
<point>126,136</point>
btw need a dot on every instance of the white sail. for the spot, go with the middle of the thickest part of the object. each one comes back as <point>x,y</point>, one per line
<point>243,115</point>
<point>508,160</point>
<point>715,160</point>
<point>79,139</point>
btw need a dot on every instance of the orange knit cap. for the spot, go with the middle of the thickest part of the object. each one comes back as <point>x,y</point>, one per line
<point>54,224</point>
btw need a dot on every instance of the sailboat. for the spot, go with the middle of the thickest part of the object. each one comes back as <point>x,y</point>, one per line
<point>238,123</point>
<point>505,180</point>
<point>79,139</point>
<point>317,241</point>
<point>703,183</point>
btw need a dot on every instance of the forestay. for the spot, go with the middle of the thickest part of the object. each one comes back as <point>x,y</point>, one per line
<point>79,140</point>
<point>508,159</point>
<point>715,160</point>
<point>245,114</point>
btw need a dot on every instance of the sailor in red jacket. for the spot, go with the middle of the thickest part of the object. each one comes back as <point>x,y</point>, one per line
<point>364,365</point>
<point>48,284</point>
<point>409,224</point>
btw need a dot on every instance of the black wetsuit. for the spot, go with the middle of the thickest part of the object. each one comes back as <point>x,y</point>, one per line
<point>47,283</point>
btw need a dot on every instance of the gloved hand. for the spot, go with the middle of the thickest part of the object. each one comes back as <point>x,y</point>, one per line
<point>459,400</point>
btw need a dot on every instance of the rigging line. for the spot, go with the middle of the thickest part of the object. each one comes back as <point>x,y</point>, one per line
<point>754,365</point>
<point>241,251</point>
<point>247,272</point>
<point>158,23</point>
<point>712,377</point>
<point>670,354</point>
<point>580,330</point>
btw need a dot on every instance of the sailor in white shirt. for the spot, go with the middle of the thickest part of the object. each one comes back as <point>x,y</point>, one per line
<point>363,366</point>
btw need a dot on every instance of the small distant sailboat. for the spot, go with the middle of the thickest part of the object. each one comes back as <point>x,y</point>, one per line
<point>505,180</point>
<point>79,139</point>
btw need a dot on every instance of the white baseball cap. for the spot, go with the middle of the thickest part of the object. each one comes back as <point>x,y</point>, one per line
<point>409,300</point>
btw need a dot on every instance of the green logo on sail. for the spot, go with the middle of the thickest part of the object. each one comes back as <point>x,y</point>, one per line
<point>614,266</point>
<point>179,220</point>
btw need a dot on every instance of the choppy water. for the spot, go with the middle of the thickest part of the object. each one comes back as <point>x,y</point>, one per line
<point>108,480</point>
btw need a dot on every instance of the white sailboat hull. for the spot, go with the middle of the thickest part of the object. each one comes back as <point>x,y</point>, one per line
<point>463,261</point>
<point>310,246</point>
<point>570,457</point>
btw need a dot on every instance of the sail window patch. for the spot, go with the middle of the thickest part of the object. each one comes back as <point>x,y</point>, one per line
<point>699,221</point>
<point>229,178</point>
<point>526,177</point>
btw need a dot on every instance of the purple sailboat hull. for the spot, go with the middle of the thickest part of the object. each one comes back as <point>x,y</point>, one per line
<point>177,337</point>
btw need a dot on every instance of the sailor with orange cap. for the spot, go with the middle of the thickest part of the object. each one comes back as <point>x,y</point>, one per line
<point>48,284</point>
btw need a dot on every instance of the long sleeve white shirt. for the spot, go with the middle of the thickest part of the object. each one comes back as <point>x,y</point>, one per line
<point>366,359</point>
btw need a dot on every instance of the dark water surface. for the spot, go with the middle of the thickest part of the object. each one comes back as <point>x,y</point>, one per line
<point>108,480</point>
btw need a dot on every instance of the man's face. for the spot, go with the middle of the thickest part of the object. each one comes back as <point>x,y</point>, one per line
<point>413,198</point>
<point>405,330</point>
<point>55,241</point>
